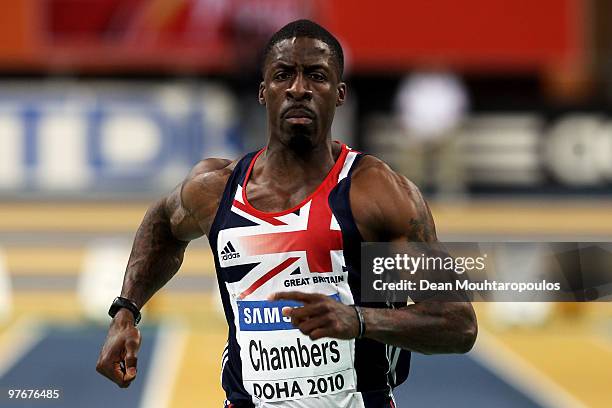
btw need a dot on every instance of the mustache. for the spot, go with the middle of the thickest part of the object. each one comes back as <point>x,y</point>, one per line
<point>302,108</point>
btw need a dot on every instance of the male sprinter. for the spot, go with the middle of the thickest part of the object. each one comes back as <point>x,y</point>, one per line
<point>293,215</point>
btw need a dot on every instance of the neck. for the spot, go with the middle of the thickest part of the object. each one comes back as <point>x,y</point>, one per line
<point>286,162</point>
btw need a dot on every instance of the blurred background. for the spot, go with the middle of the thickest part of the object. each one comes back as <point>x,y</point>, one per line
<point>499,110</point>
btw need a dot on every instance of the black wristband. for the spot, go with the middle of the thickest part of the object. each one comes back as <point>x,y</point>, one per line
<point>361,320</point>
<point>123,303</point>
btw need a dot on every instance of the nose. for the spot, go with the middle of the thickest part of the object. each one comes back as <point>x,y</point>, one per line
<point>299,89</point>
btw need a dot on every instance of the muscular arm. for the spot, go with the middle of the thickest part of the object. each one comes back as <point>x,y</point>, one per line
<point>157,254</point>
<point>168,226</point>
<point>388,207</point>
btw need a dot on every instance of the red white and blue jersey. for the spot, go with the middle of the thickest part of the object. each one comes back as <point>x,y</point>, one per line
<point>313,247</point>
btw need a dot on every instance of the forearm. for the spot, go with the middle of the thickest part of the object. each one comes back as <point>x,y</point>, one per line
<point>156,256</point>
<point>427,327</point>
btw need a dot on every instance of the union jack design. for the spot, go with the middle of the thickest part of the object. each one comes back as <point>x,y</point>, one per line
<point>307,237</point>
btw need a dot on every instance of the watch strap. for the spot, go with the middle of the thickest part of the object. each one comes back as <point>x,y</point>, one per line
<point>124,303</point>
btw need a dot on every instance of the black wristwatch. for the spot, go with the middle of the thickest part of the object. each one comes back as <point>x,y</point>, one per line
<point>120,303</point>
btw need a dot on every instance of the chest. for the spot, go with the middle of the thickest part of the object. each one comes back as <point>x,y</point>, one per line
<point>271,196</point>
<point>297,230</point>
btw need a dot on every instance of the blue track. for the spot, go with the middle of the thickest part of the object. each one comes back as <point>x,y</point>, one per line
<point>457,382</point>
<point>65,359</point>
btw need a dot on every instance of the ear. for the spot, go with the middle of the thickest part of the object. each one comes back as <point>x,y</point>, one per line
<point>341,94</point>
<point>261,96</point>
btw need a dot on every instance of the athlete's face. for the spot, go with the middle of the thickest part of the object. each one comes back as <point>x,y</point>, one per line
<point>301,90</point>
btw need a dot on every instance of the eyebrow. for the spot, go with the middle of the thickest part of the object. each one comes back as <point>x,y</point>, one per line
<point>282,64</point>
<point>318,66</point>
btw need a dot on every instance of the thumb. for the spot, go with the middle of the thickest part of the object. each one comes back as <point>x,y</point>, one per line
<point>131,361</point>
<point>130,367</point>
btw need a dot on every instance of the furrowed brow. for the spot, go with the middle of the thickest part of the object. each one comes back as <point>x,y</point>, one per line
<point>314,67</point>
<point>282,64</point>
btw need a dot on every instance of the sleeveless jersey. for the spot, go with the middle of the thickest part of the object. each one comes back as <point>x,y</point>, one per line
<point>315,248</point>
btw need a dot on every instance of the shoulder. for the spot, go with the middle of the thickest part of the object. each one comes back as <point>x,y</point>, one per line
<point>201,191</point>
<point>207,173</point>
<point>372,172</point>
<point>192,204</point>
<point>387,204</point>
<point>373,178</point>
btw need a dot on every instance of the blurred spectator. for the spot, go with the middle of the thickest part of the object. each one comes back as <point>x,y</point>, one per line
<point>431,106</point>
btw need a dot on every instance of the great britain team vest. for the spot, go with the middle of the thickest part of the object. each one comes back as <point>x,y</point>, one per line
<point>312,247</point>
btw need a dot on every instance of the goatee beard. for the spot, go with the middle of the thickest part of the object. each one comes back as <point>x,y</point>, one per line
<point>301,143</point>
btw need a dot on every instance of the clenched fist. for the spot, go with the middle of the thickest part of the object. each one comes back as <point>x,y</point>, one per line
<point>119,354</point>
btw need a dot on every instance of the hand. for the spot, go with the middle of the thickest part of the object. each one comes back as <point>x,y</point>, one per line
<point>118,357</point>
<point>321,316</point>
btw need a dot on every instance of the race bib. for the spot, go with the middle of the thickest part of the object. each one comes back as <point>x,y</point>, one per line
<point>280,363</point>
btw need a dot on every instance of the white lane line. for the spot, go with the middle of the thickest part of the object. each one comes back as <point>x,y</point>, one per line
<point>165,364</point>
<point>18,339</point>
<point>521,374</point>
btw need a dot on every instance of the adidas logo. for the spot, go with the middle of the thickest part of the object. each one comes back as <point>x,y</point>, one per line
<point>229,252</point>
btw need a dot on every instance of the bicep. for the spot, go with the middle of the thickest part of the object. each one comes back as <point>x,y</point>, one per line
<point>193,204</point>
<point>405,213</point>
<point>183,223</point>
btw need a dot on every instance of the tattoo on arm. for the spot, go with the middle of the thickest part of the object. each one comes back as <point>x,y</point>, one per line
<point>168,226</point>
<point>421,227</point>
<point>156,256</point>
<point>420,231</point>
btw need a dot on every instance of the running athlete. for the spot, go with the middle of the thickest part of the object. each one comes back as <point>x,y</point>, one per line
<point>285,226</point>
